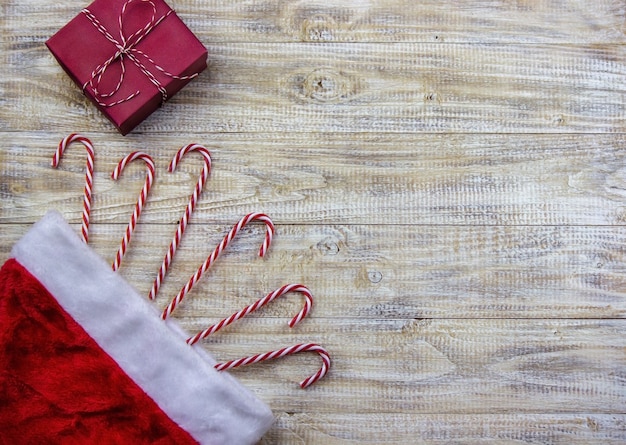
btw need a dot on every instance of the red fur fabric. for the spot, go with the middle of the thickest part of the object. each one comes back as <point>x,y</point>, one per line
<point>57,386</point>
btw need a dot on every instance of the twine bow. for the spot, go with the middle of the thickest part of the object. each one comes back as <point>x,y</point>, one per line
<point>127,49</point>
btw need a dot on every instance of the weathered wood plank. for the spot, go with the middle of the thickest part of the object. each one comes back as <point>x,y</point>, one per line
<point>330,178</point>
<point>435,366</point>
<point>573,21</point>
<point>509,429</point>
<point>468,284</point>
<point>391,272</point>
<point>351,88</point>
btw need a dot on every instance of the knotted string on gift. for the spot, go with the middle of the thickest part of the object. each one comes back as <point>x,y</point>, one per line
<point>308,303</point>
<point>127,48</point>
<point>87,198</point>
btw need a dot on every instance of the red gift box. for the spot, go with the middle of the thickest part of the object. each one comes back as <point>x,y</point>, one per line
<point>128,56</point>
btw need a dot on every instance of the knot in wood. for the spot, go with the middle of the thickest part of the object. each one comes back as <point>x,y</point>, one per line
<point>375,276</point>
<point>328,247</point>
<point>327,85</point>
<point>318,29</point>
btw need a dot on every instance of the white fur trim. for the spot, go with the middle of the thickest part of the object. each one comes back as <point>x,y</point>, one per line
<point>211,406</point>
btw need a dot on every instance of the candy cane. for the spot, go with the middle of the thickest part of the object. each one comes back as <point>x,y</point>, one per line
<point>140,201</point>
<point>87,197</point>
<point>269,234</point>
<point>182,224</point>
<point>307,347</point>
<point>308,303</point>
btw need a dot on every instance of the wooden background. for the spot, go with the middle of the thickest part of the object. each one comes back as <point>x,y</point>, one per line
<point>449,178</point>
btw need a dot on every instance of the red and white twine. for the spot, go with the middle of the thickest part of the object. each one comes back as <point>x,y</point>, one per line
<point>143,196</point>
<point>307,347</point>
<point>126,48</point>
<point>87,195</point>
<point>269,234</point>
<point>308,303</point>
<point>193,200</point>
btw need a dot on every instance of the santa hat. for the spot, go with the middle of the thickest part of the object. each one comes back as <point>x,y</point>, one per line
<point>85,359</point>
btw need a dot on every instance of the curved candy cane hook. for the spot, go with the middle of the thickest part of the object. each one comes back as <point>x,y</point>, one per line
<point>140,201</point>
<point>88,175</point>
<point>308,303</point>
<point>307,347</point>
<point>182,224</point>
<point>269,234</point>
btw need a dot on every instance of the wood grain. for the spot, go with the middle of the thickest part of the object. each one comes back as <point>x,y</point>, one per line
<point>352,88</point>
<point>385,271</point>
<point>473,21</point>
<point>510,429</point>
<point>418,179</point>
<point>448,179</point>
<point>435,366</point>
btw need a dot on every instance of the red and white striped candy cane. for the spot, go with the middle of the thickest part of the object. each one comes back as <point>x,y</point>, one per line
<point>143,196</point>
<point>308,303</point>
<point>269,234</point>
<point>87,195</point>
<point>307,347</point>
<point>193,200</point>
